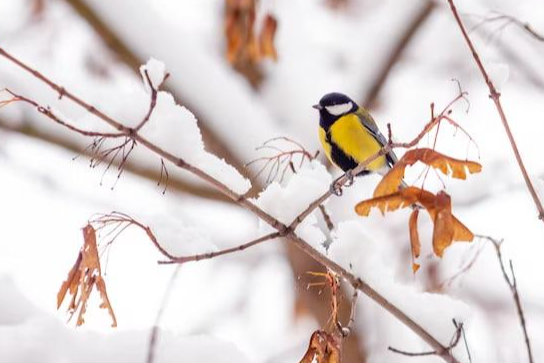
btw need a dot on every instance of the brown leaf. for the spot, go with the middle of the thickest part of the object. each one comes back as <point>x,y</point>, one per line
<point>101,286</point>
<point>246,48</point>
<point>415,243</point>
<point>391,181</point>
<point>85,275</point>
<point>266,38</point>
<point>443,224</point>
<point>447,228</point>
<point>387,203</point>
<point>71,283</point>
<point>323,348</point>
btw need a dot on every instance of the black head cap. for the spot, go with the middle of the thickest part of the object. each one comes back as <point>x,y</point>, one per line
<point>335,98</point>
<point>333,105</point>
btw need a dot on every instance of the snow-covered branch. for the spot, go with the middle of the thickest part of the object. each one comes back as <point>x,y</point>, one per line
<point>236,186</point>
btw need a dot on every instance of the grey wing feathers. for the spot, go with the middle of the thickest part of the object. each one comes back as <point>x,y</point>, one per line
<point>369,123</point>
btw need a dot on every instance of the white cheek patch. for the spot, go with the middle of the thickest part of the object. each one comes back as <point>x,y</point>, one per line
<point>338,110</point>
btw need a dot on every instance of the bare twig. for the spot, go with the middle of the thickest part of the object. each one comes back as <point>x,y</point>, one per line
<point>209,255</point>
<point>346,330</point>
<point>467,265</point>
<point>46,111</point>
<point>454,341</point>
<point>509,20</point>
<point>282,229</point>
<point>495,96</point>
<point>155,330</point>
<point>281,160</point>
<point>397,50</point>
<point>152,102</point>
<point>512,285</point>
<point>118,222</point>
<point>435,120</point>
<point>326,217</point>
<point>124,52</point>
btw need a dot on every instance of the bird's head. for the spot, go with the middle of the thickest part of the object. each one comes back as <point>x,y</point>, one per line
<point>335,105</point>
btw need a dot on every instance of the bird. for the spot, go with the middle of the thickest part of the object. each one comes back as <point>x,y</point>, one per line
<point>349,135</point>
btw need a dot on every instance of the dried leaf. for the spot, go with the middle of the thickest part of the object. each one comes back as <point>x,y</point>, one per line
<point>447,228</point>
<point>415,243</point>
<point>244,47</point>
<point>266,39</point>
<point>323,348</point>
<point>85,275</point>
<point>387,203</point>
<point>443,224</point>
<point>391,181</point>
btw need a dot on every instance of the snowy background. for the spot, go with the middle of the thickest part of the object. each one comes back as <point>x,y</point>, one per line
<point>247,307</point>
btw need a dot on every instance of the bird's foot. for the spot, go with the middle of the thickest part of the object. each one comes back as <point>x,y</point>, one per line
<point>350,178</point>
<point>337,186</point>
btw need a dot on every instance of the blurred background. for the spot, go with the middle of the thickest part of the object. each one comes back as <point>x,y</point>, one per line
<point>394,57</point>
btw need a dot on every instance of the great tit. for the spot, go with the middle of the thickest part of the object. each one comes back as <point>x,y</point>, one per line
<point>349,135</point>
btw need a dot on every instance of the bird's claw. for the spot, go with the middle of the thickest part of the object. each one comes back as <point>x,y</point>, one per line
<point>337,186</point>
<point>350,178</point>
<point>336,189</point>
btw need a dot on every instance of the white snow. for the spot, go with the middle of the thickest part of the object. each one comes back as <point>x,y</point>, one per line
<point>31,336</point>
<point>156,70</point>
<point>302,188</point>
<point>247,299</point>
<point>177,127</point>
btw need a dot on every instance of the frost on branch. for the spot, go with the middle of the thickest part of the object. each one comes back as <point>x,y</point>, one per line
<point>176,127</point>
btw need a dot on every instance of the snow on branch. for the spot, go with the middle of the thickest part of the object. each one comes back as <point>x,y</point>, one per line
<point>306,191</point>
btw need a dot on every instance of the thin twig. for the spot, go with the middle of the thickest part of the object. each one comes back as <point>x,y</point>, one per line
<point>155,330</point>
<point>226,251</point>
<point>152,102</point>
<point>326,217</point>
<point>281,160</point>
<point>509,19</point>
<point>453,343</point>
<point>282,229</point>
<point>346,330</point>
<point>512,285</point>
<point>116,220</point>
<point>495,96</point>
<point>398,49</point>
<point>443,115</point>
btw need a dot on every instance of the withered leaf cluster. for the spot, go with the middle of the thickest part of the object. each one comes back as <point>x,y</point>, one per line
<point>83,278</point>
<point>323,348</point>
<point>245,45</point>
<point>388,197</point>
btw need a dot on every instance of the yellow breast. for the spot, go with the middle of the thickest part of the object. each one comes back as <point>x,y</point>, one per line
<point>326,146</point>
<point>354,140</point>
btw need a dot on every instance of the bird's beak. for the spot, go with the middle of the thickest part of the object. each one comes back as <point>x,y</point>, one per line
<point>318,107</point>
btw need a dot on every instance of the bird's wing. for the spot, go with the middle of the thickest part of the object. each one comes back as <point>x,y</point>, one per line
<point>369,123</point>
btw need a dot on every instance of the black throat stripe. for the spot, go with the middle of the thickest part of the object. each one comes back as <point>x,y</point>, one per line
<point>345,162</point>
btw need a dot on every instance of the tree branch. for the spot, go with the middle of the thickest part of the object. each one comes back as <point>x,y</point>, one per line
<point>398,49</point>
<point>209,255</point>
<point>454,341</point>
<point>495,96</point>
<point>282,229</point>
<point>512,285</point>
